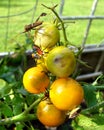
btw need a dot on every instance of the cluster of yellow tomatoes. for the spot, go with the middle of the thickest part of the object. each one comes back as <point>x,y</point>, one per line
<point>54,60</point>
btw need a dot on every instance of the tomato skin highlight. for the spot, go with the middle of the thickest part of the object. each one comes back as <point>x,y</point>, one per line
<point>49,115</point>
<point>66,93</point>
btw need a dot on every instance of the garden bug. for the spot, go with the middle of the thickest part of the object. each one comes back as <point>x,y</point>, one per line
<point>37,52</point>
<point>29,27</point>
<point>32,26</point>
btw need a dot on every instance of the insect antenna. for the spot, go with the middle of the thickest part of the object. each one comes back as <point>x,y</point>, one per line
<point>42,14</point>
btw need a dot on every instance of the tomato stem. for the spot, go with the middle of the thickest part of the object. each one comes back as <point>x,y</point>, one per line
<point>18,118</point>
<point>32,105</point>
<point>24,116</point>
<point>97,106</point>
<point>101,87</point>
<point>83,63</point>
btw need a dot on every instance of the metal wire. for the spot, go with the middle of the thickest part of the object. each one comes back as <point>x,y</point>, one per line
<point>21,13</point>
<point>34,10</point>
<point>61,7</point>
<point>81,17</point>
<point>89,22</point>
<point>89,18</point>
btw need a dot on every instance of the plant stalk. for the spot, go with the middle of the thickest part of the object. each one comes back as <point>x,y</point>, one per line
<point>24,116</point>
<point>97,106</point>
<point>18,118</point>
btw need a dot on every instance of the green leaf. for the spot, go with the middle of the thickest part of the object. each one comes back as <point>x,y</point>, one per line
<point>4,87</point>
<point>2,128</point>
<point>22,91</point>
<point>19,126</point>
<point>6,110</point>
<point>94,122</point>
<point>17,109</point>
<point>18,99</point>
<point>18,103</point>
<point>7,73</point>
<point>2,83</point>
<point>30,98</point>
<point>90,95</point>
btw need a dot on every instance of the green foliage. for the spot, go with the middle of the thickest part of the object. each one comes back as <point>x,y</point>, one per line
<point>4,87</point>
<point>6,110</point>
<point>90,95</point>
<point>93,122</point>
<point>14,100</point>
<point>13,97</point>
<point>2,128</point>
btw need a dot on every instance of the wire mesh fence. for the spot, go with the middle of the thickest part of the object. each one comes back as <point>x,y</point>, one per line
<point>12,23</point>
<point>14,20</point>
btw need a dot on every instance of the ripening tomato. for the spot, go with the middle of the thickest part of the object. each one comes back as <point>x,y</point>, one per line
<point>35,80</point>
<point>61,61</point>
<point>66,93</point>
<point>49,115</point>
<point>46,36</point>
<point>41,63</point>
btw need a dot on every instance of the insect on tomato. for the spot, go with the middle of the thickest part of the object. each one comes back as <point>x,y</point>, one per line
<point>37,49</point>
<point>29,27</point>
<point>37,52</point>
